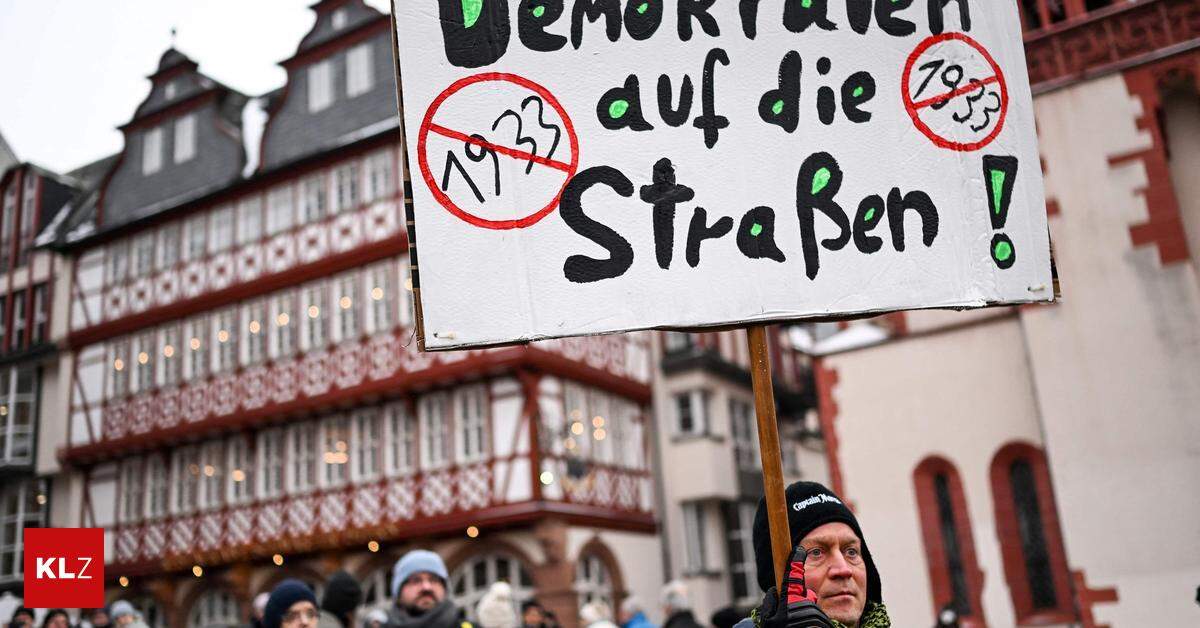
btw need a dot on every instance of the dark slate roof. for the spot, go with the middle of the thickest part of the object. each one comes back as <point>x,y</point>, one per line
<point>356,12</point>
<point>77,216</point>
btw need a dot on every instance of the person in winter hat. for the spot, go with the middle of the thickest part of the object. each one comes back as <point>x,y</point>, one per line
<point>419,590</point>
<point>292,605</point>
<point>497,608</point>
<point>342,596</point>
<point>123,614</point>
<point>595,614</point>
<point>677,608</point>
<point>375,618</point>
<point>830,564</point>
<point>632,615</point>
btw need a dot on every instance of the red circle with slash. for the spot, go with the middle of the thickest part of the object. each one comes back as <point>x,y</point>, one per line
<point>429,126</point>
<point>916,108</point>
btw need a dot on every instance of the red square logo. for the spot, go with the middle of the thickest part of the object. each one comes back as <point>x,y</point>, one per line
<point>64,567</point>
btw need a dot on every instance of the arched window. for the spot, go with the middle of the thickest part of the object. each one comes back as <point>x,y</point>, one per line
<point>954,574</point>
<point>215,609</point>
<point>472,578</point>
<point>376,590</point>
<point>1035,563</point>
<point>593,582</point>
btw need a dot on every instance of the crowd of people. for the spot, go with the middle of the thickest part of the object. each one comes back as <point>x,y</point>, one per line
<point>831,582</point>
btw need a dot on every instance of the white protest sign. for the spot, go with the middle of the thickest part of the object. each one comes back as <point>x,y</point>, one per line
<point>591,166</point>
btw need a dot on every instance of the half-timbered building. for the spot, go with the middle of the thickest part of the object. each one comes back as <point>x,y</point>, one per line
<point>246,400</point>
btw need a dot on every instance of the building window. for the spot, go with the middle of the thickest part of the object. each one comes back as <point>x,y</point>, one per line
<point>745,435</point>
<point>349,308</point>
<point>169,90</point>
<point>6,224</point>
<point>18,410</point>
<point>158,487</point>
<point>185,471</point>
<point>143,255</point>
<point>283,321</point>
<point>240,485</point>
<point>19,509</point>
<point>172,358</point>
<point>212,470</point>
<point>302,456</point>
<point>380,183</point>
<point>270,463</point>
<point>339,19</point>
<point>691,412</point>
<point>599,425</point>
<point>367,439</point>
<point>946,531</point>
<point>470,409</point>
<point>17,339</point>
<point>225,339</point>
<point>221,230</point>
<point>1027,525</point>
<point>316,327</point>
<point>28,213</point>
<point>433,411</point>
<point>118,356</point>
<point>677,341</point>
<point>313,199</point>
<point>215,608</point>
<point>185,138</point>
<point>320,86</point>
<point>693,538</point>
<point>336,454</point>
<point>382,289</point>
<point>743,574</point>
<point>116,268</point>
<point>254,323</point>
<point>250,220</point>
<point>196,331</point>
<point>280,210</point>
<point>168,247</point>
<point>593,583</point>
<point>471,580</point>
<point>345,181</point>
<point>131,491</point>
<point>144,352</point>
<point>401,439</point>
<point>360,73</point>
<point>197,238</point>
<point>152,149</point>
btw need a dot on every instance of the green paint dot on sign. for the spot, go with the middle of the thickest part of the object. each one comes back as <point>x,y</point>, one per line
<point>642,8</point>
<point>777,108</point>
<point>806,4</point>
<point>756,229</point>
<point>869,215</point>
<point>820,180</point>
<point>1003,251</point>
<point>538,11</point>
<point>471,10</point>
<point>618,109</point>
<point>858,91</point>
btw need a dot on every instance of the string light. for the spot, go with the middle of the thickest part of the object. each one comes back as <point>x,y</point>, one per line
<point>408,284</point>
<point>547,478</point>
<point>377,293</point>
<point>4,410</point>
<point>209,470</point>
<point>168,351</point>
<point>277,559</point>
<point>340,446</point>
<point>118,364</point>
<point>223,336</point>
<point>197,570</point>
<point>194,343</point>
<point>313,311</point>
<point>345,303</point>
<point>194,469</point>
<point>41,499</point>
<point>143,357</point>
<point>472,531</point>
<point>238,475</point>
<point>577,428</point>
<point>282,319</point>
<point>124,582</point>
<point>571,443</point>
<point>373,546</point>
<point>599,434</point>
<point>597,421</point>
<point>254,327</point>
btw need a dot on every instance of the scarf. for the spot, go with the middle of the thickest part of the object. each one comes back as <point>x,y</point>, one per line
<point>875,615</point>
<point>444,615</point>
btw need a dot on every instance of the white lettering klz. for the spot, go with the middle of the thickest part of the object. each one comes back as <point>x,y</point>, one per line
<point>45,569</point>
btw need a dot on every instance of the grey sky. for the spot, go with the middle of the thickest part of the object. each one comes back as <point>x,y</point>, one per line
<point>71,71</point>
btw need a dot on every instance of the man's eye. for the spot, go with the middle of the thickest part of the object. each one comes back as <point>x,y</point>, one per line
<point>815,554</point>
<point>852,553</point>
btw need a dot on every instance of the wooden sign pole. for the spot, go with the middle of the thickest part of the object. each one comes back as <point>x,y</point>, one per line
<point>768,445</point>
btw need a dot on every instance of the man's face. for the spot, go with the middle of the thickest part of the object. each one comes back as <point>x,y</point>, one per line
<point>125,620</point>
<point>836,572</point>
<point>23,620</point>
<point>58,621</point>
<point>100,619</point>
<point>302,614</point>
<point>532,616</point>
<point>421,592</point>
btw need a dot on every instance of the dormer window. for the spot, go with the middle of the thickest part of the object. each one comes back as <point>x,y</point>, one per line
<point>359,74</point>
<point>152,147</point>
<point>185,138</point>
<point>339,19</point>
<point>169,90</point>
<point>320,86</point>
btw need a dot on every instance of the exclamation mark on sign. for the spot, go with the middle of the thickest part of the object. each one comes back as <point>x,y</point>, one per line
<point>1000,174</point>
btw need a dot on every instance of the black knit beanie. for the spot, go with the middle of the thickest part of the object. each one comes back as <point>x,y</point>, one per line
<point>343,594</point>
<point>283,596</point>
<point>809,506</point>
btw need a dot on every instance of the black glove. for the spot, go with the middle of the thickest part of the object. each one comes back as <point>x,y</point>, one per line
<point>800,609</point>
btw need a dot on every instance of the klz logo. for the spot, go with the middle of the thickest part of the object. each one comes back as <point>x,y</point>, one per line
<point>64,567</point>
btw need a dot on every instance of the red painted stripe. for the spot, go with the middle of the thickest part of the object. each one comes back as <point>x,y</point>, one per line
<point>954,94</point>
<point>503,150</point>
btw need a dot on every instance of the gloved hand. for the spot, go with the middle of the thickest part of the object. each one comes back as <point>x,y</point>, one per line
<point>799,609</point>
